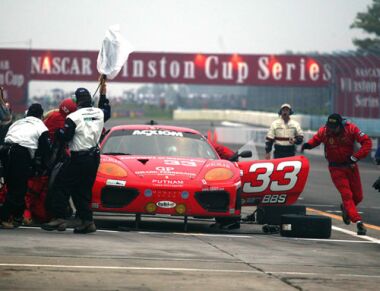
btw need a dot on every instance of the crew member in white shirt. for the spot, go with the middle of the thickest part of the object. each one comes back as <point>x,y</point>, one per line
<point>285,133</point>
<point>82,132</point>
<point>27,139</point>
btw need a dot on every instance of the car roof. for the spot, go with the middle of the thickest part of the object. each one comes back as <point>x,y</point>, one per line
<point>154,127</point>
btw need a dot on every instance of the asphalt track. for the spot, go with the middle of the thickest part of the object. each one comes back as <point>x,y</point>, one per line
<point>160,255</point>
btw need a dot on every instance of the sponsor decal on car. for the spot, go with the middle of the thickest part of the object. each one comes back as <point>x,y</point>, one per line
<point>164,169</point>
<point>274,199</point>
<point>150,132</point>
<point>166,204</point>
<point>218,164</point>
<point>168,182</point>
<point>111,182</point>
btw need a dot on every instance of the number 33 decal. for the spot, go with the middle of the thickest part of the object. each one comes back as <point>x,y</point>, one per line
<point>290,177</point>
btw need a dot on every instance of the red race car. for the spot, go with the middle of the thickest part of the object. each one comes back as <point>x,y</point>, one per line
<point>156,169</point>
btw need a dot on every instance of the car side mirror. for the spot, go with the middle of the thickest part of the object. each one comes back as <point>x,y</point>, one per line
<point>243,154</point>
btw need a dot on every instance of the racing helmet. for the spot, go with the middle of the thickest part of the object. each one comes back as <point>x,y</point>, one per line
<point>67,106</point>
<point>288,106</point>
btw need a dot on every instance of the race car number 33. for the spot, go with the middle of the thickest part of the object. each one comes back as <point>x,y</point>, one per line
<point>266,179</point>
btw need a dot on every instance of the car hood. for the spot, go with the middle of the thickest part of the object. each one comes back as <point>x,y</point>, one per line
<point>166,167</point>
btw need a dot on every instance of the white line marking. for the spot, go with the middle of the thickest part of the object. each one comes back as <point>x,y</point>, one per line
<point>129,268</point>
<point>349,232</point>
<point>334,240</point>
<point>320,205</point>
<point>198,234</point>
<point>323,274</point>
<point>365,237</point>
<point>180,270</point>
<point>216,235</point>
<point>339,211</point>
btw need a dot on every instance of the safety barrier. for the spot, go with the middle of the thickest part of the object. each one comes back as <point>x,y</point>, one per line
<point>263,120</point>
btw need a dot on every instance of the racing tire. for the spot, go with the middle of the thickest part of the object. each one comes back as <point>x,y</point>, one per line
<point>305,226</point>
<point>272,214</point>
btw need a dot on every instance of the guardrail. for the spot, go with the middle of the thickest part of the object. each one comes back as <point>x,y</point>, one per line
<point>263,120</point>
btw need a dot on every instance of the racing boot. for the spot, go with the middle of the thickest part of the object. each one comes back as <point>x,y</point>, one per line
<point>55,224</point>
<point>87,226</point>
<point>17,221</point>
<point>7,225</point>
<point>362,230</point>
<point>69,223</point>
<point>345,217</point>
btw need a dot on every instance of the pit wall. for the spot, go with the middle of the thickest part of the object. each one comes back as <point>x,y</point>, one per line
<point>261,121</point>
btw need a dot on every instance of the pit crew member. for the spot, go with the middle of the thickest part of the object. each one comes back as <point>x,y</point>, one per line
<point>285,133</point>
<point>339,136</point>
<point>27,139</point>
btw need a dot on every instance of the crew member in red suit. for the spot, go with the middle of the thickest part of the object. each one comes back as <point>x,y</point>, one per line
<point>339,136</point>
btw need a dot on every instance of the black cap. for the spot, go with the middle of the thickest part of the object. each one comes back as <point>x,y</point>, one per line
<point>334,120</point>
<point>83,97</point>
<point>35,110</point>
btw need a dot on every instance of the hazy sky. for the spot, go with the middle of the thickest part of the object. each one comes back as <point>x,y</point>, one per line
<point>208,26</point>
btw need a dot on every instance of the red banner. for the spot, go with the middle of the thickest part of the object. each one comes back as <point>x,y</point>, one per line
<point>358,86</point>
<point>355,86</point>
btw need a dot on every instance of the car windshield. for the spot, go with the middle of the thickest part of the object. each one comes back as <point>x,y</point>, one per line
<point>157,142</point>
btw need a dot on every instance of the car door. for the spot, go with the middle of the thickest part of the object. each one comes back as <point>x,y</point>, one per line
<point>273,182</point>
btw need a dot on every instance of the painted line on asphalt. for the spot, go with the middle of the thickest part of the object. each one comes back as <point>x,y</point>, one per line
<point>179,270</point>
<point>128,268</point>
<point>338,217</point>
<point>200,234</point>
<point>369,239</point>
<point>349,232</point>
<point>253,236</point>
<point>322,274</point>
<point>336,240</point>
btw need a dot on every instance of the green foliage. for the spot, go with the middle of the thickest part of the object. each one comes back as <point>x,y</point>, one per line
<point>369,22</point>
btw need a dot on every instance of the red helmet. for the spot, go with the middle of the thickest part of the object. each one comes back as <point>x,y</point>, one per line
<point>67,106</point>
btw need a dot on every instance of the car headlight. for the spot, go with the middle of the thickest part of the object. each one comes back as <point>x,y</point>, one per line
<point>112,169</point>
<point>218,174</point>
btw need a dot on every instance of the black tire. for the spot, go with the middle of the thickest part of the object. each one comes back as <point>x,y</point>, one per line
<point>272,214</point>
<point>307,226</point>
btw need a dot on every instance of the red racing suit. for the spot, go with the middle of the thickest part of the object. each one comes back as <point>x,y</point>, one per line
<point>224,152</point>
<point>344,173</point>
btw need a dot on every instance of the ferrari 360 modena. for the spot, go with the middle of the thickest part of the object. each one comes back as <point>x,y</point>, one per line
<point>167,170</point>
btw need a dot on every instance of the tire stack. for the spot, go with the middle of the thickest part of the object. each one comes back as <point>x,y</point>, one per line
<point>306,226</point>
<point>292,221</point>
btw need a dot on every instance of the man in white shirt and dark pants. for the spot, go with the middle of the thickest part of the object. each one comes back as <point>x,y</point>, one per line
<point>25,138</point>
<point>82,132</point>
<point>285,133</point>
